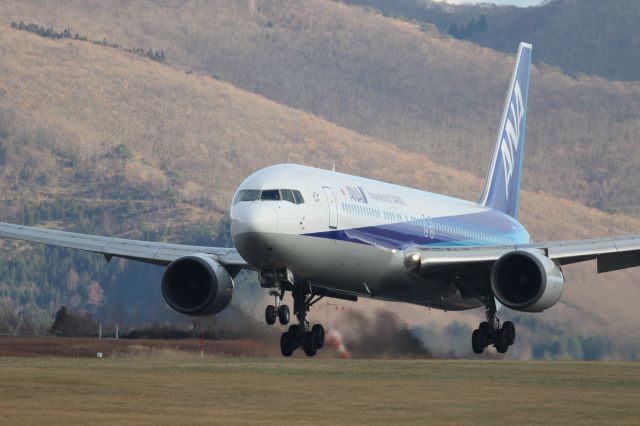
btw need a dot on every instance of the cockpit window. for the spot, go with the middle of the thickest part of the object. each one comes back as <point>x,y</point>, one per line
<point>251,195</point>
<point>238,197</point>
<point>270,195</point>
<point>298,197</point>
<point>287,195</point>
<point>291,195</point>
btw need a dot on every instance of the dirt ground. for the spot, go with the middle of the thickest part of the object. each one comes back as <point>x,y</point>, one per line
<point>90,347</point>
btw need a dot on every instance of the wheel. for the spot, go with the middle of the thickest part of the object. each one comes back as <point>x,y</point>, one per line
<point>270,314</point>
<point>318,335</point>
<point>293,330</point>
<point>501,341</point>
<point>309,344</point>
<point>509,332</point>
<point>485,329</point>
<point>286,344</point>
<point>283,314</point>
<point>477,341</point>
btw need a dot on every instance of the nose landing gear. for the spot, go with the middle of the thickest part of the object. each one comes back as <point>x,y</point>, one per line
<point>301,335</point>
<point>278,310</point>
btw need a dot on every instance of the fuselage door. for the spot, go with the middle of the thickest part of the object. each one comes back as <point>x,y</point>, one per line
<point>332,206</point>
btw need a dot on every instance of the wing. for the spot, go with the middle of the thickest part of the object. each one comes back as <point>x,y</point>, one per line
<point>611,253</point>
<point>143,251</point>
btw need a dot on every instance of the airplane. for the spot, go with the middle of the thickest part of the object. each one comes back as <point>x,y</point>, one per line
<point>319,233</point>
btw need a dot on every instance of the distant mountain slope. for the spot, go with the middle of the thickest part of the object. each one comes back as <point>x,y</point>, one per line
<point>578,36</point>
<point>386,79</point>
<point>110,128</point>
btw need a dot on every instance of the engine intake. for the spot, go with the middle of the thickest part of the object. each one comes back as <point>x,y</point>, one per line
<point>197,286</point>
<point>526,281</point>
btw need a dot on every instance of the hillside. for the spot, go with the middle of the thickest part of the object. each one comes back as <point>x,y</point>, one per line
<point>108,130</point>
<point>387,79</point>
<point>577,36</point>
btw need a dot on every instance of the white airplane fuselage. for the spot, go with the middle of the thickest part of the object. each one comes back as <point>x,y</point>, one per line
<point>350,233</point>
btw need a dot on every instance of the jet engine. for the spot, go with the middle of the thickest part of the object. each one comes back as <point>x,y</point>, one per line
<point>526,281</point>
<point>197,286</point>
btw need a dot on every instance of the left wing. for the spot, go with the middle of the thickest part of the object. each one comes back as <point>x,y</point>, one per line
<point>611,253</point>
<point>143,251</point>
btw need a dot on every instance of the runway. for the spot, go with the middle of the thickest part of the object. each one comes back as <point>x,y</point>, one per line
<point>173,388</point>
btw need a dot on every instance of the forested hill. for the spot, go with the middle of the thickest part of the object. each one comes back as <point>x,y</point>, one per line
<point>578,36</point>
<point>384,78</point>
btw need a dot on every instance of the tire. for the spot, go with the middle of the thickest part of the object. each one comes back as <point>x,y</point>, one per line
<point>509,332</point>
<point>485,329</point>
<point>283,314</point>
<point>270,314</point>
<point>477,341</point>
<point>293,331</point>
<point>286,344</point>
<point>318,335</point>
<point>309,345</point>
<point>501,342</point>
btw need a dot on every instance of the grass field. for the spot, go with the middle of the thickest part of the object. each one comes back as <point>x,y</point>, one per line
<point>224,390</point>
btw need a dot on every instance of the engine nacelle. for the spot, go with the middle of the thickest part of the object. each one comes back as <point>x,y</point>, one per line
<point>526,281</point>
<point>197,286</point>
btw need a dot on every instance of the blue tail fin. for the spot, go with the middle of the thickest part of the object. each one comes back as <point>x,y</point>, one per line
<point>502,188</point>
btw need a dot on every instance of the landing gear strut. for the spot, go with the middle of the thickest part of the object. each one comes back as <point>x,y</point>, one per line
<point>302,335</point>
<point>491,333</point>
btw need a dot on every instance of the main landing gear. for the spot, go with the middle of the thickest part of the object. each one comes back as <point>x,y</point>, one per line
<point>301,335</point>
<point>490,333</point>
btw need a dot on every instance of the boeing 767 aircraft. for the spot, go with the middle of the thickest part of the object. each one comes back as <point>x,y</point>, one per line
<point>318,233</point>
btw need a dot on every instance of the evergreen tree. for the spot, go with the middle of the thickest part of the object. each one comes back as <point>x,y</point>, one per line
<point>453,30</point>
<point>58,323</point>
<point>482,24</point>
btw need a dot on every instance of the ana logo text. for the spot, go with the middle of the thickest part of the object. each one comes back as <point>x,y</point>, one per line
<point>355,194</point>
<point>511,135</point>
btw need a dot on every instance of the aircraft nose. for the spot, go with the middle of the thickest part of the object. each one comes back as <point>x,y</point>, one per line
<point>254,226</point>
<point>254,217</point>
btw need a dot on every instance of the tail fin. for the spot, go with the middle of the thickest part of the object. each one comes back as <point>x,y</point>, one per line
<point>502,188</point>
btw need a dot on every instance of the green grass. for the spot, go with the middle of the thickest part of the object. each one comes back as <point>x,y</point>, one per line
<point>181,390</point>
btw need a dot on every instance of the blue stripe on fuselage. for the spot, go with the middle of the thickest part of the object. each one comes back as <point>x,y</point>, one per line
<point>477,229</point>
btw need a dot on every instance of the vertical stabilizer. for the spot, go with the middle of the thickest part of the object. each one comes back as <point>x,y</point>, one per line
<point>502,188</point>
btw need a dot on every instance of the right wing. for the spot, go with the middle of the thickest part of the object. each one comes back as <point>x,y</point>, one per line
<point>143,251</point>
<point>611,253</point>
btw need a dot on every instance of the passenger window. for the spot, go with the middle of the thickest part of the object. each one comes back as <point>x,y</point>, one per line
<point>298,196</point>
<point>251,195</point>
<point>270,195</point>
<point>287,196</point>
<point>238,196</point>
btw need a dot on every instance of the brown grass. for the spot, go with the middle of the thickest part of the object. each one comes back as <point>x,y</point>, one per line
<point>300,391</point>
<point>110,348</point>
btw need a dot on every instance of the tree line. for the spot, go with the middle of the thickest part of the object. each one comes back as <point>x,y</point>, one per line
<point>155,55</point>
<point>469,29</point>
